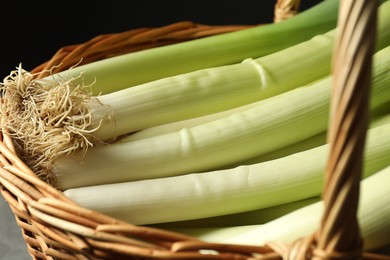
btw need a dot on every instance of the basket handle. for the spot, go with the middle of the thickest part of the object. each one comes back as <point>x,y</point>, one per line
<point>338,235</point>
<point>352,60</point>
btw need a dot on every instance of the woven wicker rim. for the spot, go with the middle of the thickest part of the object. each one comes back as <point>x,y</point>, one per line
<point>54,227</point>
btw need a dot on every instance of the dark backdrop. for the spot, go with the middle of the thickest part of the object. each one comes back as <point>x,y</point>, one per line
<point>31,31</point>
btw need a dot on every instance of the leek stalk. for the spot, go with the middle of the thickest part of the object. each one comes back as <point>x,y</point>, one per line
<point>254,217</point>
<point>222,192</point>
<point>373,212</point>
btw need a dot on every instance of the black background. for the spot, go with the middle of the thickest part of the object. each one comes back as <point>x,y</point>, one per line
<point>32,31</point>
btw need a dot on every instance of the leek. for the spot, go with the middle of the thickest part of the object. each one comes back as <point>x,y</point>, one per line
<point>186,123</point>
<point>288,179</point>
<point>140,67</point>
<point>254,217</point>
<point>306,144</point>
<point>178,125</point>
<point>373,212</point>
<point>275,123</point>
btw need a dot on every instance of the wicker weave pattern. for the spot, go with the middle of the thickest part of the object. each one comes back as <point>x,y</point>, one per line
<point>54,227</point>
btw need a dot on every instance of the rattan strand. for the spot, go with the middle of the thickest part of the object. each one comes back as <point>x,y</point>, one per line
<point>354,49</point>
<point>285,9</point>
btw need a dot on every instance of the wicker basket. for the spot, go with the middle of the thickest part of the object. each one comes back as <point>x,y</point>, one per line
<point>55,227</point>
